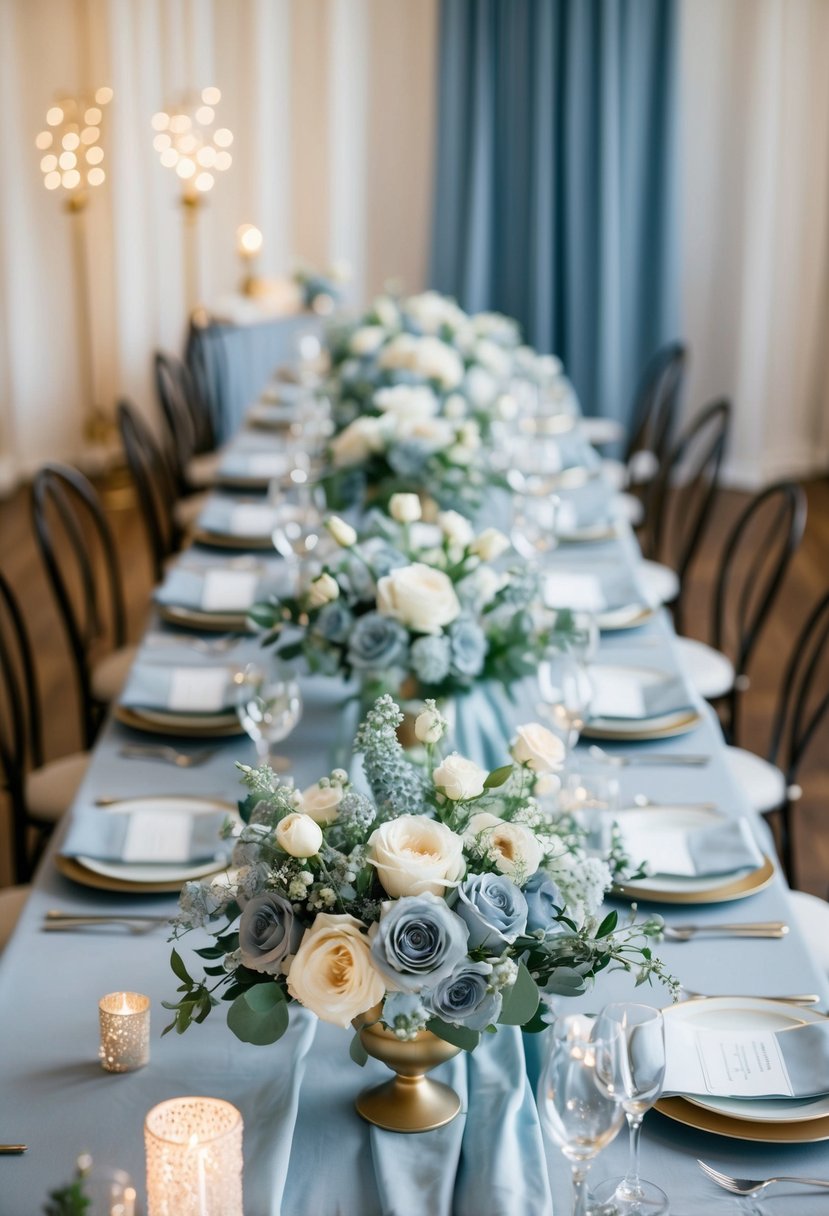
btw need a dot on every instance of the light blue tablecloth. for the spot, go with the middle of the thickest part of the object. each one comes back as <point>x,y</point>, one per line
<point>306,1151</point>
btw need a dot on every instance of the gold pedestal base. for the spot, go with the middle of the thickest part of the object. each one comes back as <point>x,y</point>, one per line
<point>409,1104</point>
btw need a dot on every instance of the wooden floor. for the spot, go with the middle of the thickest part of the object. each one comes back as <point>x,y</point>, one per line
<point>807,580</point>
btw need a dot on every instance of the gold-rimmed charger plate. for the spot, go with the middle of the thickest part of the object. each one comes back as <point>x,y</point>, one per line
<point>185,726</point>
<point>194,618</point>
<point>667,726</point>
<point>612,620</point>
<point>229,481</point>
<point>588,535</point>
<point>228,540</point>
<point>725,892</point>
<point>74,870</point>
<point>807,1131</point>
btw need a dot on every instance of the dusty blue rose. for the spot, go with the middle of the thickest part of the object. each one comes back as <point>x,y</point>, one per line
<point>494,910</point>
<point>468,646</point>
<point>377,643</point>
<point>410,458</point>
<point>268,932</point>
<point>418,941</point>
<point>334,621</point>
<point>382,557</point>
<point>543,898</point>
<point>429,658</point>
<point>464,999</point>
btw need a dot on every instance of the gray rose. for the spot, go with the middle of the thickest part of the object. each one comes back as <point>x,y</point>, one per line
<point>418,941</point>
<point>543,899</point>
<point>268,933</point>
<point>468,646</point>
<point>494,910</point>
<point>377,643</point>
<point>333,622</point>
<point>464,999</point>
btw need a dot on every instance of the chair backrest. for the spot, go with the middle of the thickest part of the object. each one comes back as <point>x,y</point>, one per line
<point>21,738</point>
<point>804,697</point>
<point>680,499</point>
<point>201,356</point>
<point>154,484</point>
<point>753,565</point>
<point>175,409</point>
<point>79,554</point>
<point>655,406</point>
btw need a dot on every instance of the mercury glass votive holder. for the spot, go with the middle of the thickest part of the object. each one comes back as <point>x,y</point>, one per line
<point>125,1031</point>
<point>194,1158</point>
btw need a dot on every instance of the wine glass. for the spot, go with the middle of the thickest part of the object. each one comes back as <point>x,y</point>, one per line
<point>533,532</point>
<point>574,631</point>
<point>638,1080</point>
<point>297,530</point>
<point>576,1098</point>
<point>269,705</point>
<point>590,793</point>
<point>566,692</point>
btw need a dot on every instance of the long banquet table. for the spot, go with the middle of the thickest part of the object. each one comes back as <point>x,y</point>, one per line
<point>307,1153</point>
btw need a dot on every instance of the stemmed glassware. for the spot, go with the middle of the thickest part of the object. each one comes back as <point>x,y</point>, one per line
<point>577,1101</point>
<point>566,692</point>
<point>639,1073</point>
<point>297,530</point>
<point>269,706</point>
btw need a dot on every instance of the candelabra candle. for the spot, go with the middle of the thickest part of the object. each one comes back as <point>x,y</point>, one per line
<point>194,1158</point>
<point>125,1031</point>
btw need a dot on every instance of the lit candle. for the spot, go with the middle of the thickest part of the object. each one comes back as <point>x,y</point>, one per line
<point>194,1158</point>
<point>125,1031</point>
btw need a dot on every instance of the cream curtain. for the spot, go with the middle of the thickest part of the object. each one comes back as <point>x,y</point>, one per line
<point>331,104</point>
<point>754,147</point>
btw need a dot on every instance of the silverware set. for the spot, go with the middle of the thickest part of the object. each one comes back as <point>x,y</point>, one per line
<point>649,760</point>
<point>209,647</point>
<point>167,754</point>
<point>686,933</point>
<point>56,921</point>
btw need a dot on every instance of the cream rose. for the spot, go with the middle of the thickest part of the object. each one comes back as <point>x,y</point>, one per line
<point>490,544</point>
<point>421,598</point>
<point>436,432</point>
<point>361,438</point>
<point>512,847</point>
<point>367,339</point>
<point>299,835</point>
<point>332,973</point>
<point>413,855</point>
<point>429,726</point>
<point>459,779</point>
<point>434,360</point>
<point>455,527</point>
<point>405,508</point>
<point>538,748</point>
<point>321,802</point>
<point>324,589</point>
<point>406,401</point>
<point>343,533</point>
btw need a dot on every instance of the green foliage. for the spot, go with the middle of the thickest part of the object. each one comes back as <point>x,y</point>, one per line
<point>259,1015</point>
<point>521,1000</point>
<point>68,1201</point>
<point>458,1036</point>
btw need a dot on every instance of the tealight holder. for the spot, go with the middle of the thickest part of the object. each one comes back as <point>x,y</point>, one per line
<point>125,1031</point>
<point>194,1158</point>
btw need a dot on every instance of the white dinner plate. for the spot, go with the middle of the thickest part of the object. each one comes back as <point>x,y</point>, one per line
<point>602,530</point>
<point>630,616</point>
<point>658,819</point>
<point>747,1014</point>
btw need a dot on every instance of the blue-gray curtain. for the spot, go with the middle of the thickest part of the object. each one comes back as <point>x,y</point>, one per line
<point>555,193</point>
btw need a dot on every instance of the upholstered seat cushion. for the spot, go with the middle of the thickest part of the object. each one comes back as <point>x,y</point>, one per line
<point>187,510</point>
<point>615,473</point>
<point>763,785</point>
<point>711,673</point>
<point>201,470</point>
<point>629,507</point>
<point>12,900</point>
<point>600,431</point>
<point>659,583</point>
<point>812,916</point>
<point>110,674</point>
<point>50,790</point>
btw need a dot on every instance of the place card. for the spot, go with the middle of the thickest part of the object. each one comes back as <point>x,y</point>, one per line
<point>266,464</point>
<point>197,689</point>
<point>582,592</point>
<point>726,1063</point>
<point>616,693</point>
<point>251,519</point>
<point>157,836</point>
<point>229,590</point>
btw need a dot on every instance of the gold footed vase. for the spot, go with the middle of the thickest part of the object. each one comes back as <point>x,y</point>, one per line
<point>410,1102</point>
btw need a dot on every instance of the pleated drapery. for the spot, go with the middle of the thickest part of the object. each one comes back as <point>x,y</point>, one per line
<point>555,192</point>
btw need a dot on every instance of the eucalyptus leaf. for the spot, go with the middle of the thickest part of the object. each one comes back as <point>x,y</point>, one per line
<point>179,968</point>
<point>498,776</point>
<point>264,1023</point>
<point>357,1052</point>
<point>521,1000</point>
<point>458,1036</point>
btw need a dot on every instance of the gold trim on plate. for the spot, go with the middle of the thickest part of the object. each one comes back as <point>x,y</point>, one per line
<point>216,726</point>
<point>737,888</point>
<point>73,870</point>
<point>226,540</point>
<point>807,1131</point>
<point>229,481</point>
<point>644,614</point>
<point>682,726</point>
<point>194,618</point>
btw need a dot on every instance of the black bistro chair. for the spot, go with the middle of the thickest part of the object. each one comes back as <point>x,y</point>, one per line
<point>38,792</point>
<point>79,553</point>
<point>186,421</point>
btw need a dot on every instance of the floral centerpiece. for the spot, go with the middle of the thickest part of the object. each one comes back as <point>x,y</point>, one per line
<point>449,901</point>
<point>393,609</point>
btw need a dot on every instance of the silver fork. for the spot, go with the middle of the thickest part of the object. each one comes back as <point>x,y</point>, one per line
<point>791,998</point>
<point>754,1186</point>
<point>170,755</point>
<point>684,933</point>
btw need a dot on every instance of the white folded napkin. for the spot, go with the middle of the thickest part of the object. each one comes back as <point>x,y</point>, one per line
<point>723,848</point>
<point>620,692</point>
<point>181,689</point>
<point>145,837</point>
<point>753,1063</point>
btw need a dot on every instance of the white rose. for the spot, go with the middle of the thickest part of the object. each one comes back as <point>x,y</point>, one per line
<point>429,726</point>
<point>469,435</point>
<point>454,407</point>
<point>538,748</point>
<point>480,387</point>
<point>386,310</point>
<point>321,802</point>
<point>459,779</point>
<point>493,358</point>
<point>367,340</point>
<point>455,527</point>
<point>323,590</point>
<point>342,532</point>
<point>512,847</point>
<point>490,544</point>
<point>436,432</point>
<point>360,439</point>
<point>405,508</point>
<point>506,407</point>
<point>332,973</point>
<point>413,855</point>
<point>406,401</point>
<point>431,311</point>
<point>420,597</point>
<point>299,835</point>
<point>434,360</point>
<point>399,354</point>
